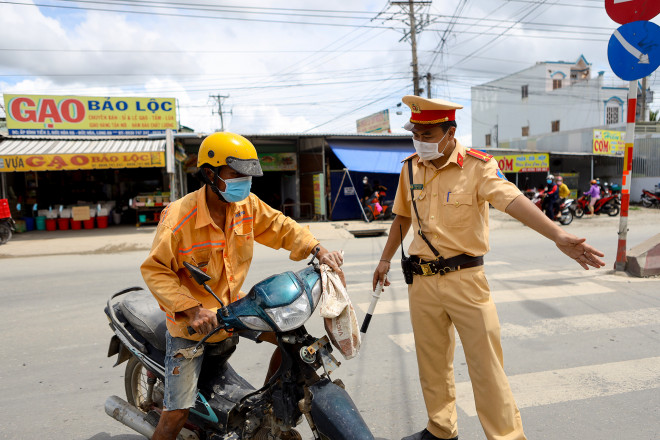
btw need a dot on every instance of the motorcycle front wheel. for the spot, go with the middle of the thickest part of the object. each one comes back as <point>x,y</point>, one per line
<point>646,202</point>
<point>579,212</point>
<point>613,211</point>
<point>5,234</point>
<point>566,219</point>
<point>137,388</point>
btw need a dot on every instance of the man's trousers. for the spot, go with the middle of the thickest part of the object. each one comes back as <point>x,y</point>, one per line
<point>461,299</point>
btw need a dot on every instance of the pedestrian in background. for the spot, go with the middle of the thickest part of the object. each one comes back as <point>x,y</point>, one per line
<point>594,195</point>
<point>448,189</point>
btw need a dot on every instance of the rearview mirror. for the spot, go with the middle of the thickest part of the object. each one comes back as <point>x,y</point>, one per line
<point>198,274</point>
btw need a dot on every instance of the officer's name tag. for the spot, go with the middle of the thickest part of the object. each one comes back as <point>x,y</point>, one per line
<point>417,186</point>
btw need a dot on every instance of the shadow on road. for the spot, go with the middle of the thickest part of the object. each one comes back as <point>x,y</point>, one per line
<point>106,436</point>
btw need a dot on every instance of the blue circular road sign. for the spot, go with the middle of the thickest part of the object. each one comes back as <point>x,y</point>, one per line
<point>634,50</point>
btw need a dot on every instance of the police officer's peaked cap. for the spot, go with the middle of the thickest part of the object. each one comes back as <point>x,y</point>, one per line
<point>430,111</point>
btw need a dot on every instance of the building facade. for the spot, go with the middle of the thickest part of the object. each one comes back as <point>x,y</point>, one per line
<point>551,96</point>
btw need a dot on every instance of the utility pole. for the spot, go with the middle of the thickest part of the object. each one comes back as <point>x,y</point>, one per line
<point>219,99</point>
<point>428,85</point>
<point>643,112</point>
<point>411,8</point>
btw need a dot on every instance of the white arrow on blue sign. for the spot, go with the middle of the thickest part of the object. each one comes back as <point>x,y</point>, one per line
<point>634,50</point>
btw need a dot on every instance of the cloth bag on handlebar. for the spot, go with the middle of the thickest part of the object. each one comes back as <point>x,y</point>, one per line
<point>340,320</point>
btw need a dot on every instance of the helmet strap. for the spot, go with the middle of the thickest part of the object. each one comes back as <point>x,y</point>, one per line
<point>214,183</point>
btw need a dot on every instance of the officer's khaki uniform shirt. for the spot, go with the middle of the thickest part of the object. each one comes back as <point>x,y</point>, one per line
<point>453,206</point>
<point>186,232</point>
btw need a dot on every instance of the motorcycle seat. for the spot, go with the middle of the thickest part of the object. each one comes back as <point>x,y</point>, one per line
<point>141,310</point>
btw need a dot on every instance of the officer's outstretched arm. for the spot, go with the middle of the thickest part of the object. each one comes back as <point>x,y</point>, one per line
<point>400,225</point>
<point>524,210</point>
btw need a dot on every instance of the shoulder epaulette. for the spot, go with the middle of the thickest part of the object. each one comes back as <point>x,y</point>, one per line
<point>409,157</point>
<point>479,154</point>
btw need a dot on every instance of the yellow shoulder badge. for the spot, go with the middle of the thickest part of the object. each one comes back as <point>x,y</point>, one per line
<point>409,157</point>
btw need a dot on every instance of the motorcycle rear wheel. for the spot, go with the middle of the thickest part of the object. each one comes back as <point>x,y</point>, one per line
<point>646,202</point>
<point>5,234</point>
<point>614,211</point>
<point>369,214</point>
<point>566,219</point>
<point>135,382</point>
<point>579,212</point>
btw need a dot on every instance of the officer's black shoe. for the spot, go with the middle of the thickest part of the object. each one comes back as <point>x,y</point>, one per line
<point>426,435</point>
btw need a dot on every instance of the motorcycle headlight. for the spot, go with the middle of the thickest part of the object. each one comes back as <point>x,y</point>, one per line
<point>255,323</point>
<point>291,316</point>
<point>316,294</point>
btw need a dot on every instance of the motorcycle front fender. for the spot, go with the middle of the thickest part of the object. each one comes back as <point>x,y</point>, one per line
<point>335,415</point>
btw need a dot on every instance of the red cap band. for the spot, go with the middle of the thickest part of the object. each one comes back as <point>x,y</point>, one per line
<point>432,116</point>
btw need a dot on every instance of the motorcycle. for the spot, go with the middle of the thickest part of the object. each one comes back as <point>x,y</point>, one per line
<point>227,406</point>
<point>7,224</point>
<point>371,207</point>
<point>651,199</point>
<point>563,215</point>
<point>608,204</point>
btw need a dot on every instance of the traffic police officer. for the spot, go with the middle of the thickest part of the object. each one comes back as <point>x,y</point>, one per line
<point>452,187</point>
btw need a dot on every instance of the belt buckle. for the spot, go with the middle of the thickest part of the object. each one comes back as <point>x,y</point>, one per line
<point>426,269</point>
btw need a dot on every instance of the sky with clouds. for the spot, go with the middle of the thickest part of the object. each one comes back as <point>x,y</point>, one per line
<point>295,66</point>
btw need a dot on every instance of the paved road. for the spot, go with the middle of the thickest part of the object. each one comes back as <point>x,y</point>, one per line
<point>582,349</point>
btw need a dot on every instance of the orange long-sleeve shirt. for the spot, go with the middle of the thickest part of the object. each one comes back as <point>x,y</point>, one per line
<point>186,232</point>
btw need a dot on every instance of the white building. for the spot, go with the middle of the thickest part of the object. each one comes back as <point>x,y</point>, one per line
<point>551,96</point>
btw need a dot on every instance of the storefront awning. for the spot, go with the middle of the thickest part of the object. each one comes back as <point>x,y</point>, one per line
<point>372,156</point>
<point>56,154</point>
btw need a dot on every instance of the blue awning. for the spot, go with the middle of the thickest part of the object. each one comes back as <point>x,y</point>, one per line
<point>382,156</point>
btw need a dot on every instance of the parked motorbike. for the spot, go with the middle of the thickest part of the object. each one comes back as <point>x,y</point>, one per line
<point>7,224</point>
<point>651,199</point>
<point>563,215</point>
<point>608,204</point>
<point>371,208</point>
<point>227,406</point>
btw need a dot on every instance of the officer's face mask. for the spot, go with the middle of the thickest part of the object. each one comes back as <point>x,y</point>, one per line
<point>236,189</point>
<point>429,150</point>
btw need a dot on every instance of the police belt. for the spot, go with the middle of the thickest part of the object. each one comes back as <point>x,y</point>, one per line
<point>442,266</point>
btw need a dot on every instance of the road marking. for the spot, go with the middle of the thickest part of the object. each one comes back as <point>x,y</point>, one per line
<point>536,273</point>
<point>571,384</point>
<point>503,296</point>
<point>561,326</point>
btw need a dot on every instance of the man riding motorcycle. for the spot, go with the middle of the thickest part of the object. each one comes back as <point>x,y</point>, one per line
<point>213,228</point>
<point>551,196</point>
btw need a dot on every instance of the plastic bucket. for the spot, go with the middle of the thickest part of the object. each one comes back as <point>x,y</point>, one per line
<point>29,223</point>
<point>89,224</point>
<point>143,218</point>
<point>76,224</point>
<point>51,224</point>
<point>63,224</point>
<point>102,221</point>
<point>40,222</point>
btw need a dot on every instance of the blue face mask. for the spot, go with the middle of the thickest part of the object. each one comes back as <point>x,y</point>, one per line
<point>236,189</point>
<point>549,181</point>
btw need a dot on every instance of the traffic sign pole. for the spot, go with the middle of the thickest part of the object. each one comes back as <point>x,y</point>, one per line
<point>627,176</point>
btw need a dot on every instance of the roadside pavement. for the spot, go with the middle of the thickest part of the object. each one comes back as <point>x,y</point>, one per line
<point>125,238</point>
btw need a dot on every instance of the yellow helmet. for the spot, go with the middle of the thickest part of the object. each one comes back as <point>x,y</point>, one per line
<point>222,148</point>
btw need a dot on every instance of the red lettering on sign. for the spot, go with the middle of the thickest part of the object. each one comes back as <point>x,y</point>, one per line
<point>48,110</point>
<point>35,161</point>
<point>75,116</point>
<point>57,163</point>
<point>601,146</point>
<point>505,164</point>
<point>22,115</point>
<point>80,160</point>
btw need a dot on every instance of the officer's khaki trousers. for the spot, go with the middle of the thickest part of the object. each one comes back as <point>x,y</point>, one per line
<point>461,299</point>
